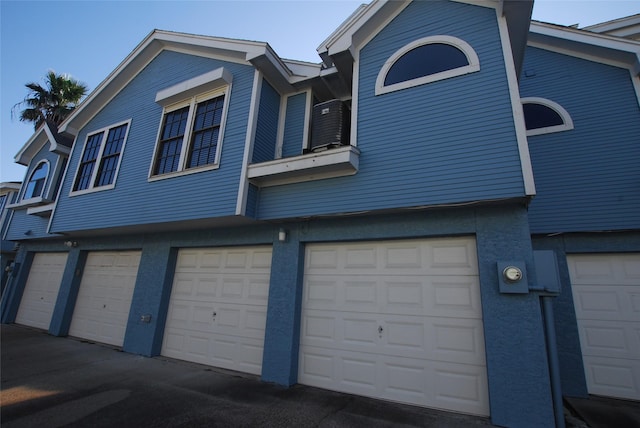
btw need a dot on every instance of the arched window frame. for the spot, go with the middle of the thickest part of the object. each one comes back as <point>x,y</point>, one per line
<point>27,196</point>
<point>567,124</point>
<point>464,47</point>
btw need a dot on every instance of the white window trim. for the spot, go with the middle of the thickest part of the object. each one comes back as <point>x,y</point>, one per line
<point>282,121</point>
<point>186,142</point>
<point>94,174</point>
<point>564,114</point>
<point>41,196</point>
<point>472,58</point>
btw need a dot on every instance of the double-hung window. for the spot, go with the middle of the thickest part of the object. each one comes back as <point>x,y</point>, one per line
<point>190,134</point>
<point>101,157</point>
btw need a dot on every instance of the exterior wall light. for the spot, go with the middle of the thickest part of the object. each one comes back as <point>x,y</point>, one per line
<point>71,244</point>
<point>282,235</point>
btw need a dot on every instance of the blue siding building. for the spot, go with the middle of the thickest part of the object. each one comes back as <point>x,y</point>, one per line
<point>587,206</point>
<point>368,224</point>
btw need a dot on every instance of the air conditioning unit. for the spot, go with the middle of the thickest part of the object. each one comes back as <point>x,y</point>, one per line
<point>329,125</point>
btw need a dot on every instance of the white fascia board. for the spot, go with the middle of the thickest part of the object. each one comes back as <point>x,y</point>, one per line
<point>33,145</point>
<point>615,24</point>
<point>273,59</point>
<point>351,21</point>
<point>89,100</point>
<point>222,43</point>
<point>301,69</point>
<point>593,39</point>
<point>9,186</point>
<point>199,84</point>
<point>344,38</point>
<point>53,143</point>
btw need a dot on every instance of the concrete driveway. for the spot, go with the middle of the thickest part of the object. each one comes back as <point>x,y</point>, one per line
<point>52,382</point>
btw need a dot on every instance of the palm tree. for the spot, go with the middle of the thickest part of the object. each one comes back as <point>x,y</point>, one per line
<point>52,104</point>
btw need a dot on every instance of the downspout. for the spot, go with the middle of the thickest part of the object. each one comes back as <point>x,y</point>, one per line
<point>552,356</point>
<point>548,279</point>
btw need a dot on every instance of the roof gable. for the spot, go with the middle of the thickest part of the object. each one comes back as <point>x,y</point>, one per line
<point>367,20</point>
<point>47,133</point>
<point>258,54</point>
<point>603,48</point>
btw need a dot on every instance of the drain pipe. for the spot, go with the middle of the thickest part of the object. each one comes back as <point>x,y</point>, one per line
<point>554,362</point>
<point>548,284</point>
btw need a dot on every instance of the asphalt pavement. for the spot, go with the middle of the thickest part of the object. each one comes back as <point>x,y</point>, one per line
<point>55,382</point>
<point>52,382</point>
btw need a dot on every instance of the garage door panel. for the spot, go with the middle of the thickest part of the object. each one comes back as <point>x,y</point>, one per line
<point>606,292</point>
<point>458,387</point>
<point>598,269</point>
<point>393,319</point>
<point>432,338</point>
<point>461,387</point>
<point>221,287</point>
<point>613,302</point>
<point>218,307</point>
<point>224,260</point>
<point>417,258</point>
<point>610,338</point>
<point>612,377</point>
<point>457,297</point>
<point>104,298</point>
<point>41,290</point>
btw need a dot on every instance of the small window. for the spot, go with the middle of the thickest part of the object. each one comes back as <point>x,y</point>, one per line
<point>543,116</point>
<point>35,186</point>
<point>426,60</point>
<point>190,135</point>
<point>100,160</point>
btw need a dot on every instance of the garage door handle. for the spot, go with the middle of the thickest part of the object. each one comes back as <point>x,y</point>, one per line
<point>214,315</point>
<point>380,330</point>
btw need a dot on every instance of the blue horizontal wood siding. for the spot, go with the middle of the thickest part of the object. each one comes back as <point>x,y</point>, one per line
<point>264,147</point>
<point>135,200</point>
<point>25,226</point>
<point>588,178</point>
<point>252,201</point>
<point>449,141</point>
<point>294,125</point>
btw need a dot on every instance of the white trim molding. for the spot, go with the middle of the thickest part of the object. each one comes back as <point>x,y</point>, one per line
<point>516,108</point>
<point>567,122</point>
<point>252,124</point>
<point>471,55</point>
<point>337,162</point>
<point>190,88</point>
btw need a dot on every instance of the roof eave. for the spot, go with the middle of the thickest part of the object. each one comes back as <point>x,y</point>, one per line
<point>258,54</point>
<point>610,49</point>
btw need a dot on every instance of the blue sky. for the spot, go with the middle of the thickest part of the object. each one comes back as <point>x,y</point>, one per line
<point>88,39</point>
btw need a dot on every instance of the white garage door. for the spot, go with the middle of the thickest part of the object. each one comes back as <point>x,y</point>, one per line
<point>104,299</point>
<point>218,308</point>
<point>606,294</point>
<point>41,290</point>
<point>397,320</point>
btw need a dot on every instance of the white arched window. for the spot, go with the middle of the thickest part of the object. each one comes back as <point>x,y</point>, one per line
<point>35,186</point>
<point>543,116</point>
<point>426,60</point>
